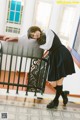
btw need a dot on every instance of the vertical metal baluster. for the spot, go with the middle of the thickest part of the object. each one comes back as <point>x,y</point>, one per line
<point>24,69</point>
<point>37,79</point>
<point>15,68</point>
<point>5,65</point>
<point>29,77</point>
<point>25,72</point>
<point>0,58</point>
<point>19,70</point>
<point>1,55</point>
<point>45,74</point>
<point>10,69</point>
<point>42,76</point>
<point>1,65</point>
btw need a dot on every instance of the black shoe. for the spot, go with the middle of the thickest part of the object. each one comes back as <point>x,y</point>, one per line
<point>53,104</point>
<point>65,98</point>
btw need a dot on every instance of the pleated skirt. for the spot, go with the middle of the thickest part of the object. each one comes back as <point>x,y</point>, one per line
<point>60,64</point>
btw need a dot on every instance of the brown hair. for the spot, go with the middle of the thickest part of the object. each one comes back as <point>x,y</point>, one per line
<point>33,29</point>
<point>42,38</point>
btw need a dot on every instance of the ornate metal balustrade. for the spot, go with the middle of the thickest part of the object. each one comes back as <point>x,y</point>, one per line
<point>19,58</point>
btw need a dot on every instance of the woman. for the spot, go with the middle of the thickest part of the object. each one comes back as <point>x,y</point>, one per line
<point>60,60</point>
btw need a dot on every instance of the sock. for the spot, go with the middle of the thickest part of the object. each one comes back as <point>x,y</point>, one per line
<point>58,92</point>
<point>62,94</point>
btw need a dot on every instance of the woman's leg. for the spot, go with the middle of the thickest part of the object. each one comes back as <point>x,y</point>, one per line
<point>59,82</point>
<point>53,103</point>
<point>58,85</point>
<point>63,93</point>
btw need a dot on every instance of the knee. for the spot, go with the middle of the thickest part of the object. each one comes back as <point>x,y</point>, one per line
<point>60,82</point>
<point>53,84</point>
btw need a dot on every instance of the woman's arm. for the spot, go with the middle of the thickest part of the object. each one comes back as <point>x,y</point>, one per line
<point>45,54</point>
<point>10,39</point>
<point>7,38</point>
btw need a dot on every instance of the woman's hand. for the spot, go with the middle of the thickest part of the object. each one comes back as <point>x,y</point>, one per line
<point>10,39</point>
<point>5,38</point>
<point>45,54</point>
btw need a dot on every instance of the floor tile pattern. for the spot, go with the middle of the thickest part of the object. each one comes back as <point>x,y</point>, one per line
<point>29,109</point>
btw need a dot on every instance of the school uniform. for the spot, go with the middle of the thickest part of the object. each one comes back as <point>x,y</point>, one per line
<point>60,59</point>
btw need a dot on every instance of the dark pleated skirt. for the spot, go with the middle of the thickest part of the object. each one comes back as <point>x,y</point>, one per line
<point>61,64</point>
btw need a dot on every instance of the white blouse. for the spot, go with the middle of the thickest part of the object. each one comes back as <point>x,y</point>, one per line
<point>22,38</point>
<point>49,40</point>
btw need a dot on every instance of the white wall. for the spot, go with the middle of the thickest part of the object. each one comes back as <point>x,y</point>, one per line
<point>72,82</point>
<point>27,15</point>
<point>55,17</point>
<point>2,15</point>
<point>73,31</point>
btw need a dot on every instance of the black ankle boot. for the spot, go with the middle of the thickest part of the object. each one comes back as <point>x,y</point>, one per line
<point>53,104</point>
<point>65,98</point>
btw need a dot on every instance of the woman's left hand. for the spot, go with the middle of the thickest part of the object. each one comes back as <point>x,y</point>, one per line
<point>45,54</point>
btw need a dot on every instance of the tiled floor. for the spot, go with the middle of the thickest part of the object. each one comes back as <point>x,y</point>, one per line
<point>18,108</point>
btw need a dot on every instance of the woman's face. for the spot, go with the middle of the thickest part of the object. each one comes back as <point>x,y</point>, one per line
<point>35,35</point>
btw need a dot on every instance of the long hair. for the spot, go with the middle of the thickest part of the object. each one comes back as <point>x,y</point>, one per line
<point>42,38</point>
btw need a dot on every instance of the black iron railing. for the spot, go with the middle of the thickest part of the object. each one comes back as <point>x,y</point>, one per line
<point>19,75</point>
